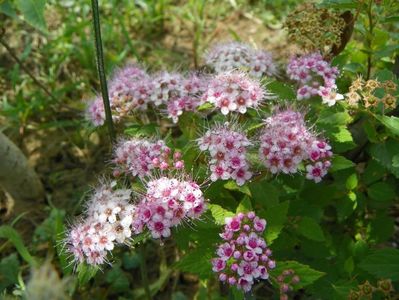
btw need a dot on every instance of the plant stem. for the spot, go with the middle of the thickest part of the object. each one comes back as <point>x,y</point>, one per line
<point>369,39</point>
<point>144,274</point>
<point>101,70</point>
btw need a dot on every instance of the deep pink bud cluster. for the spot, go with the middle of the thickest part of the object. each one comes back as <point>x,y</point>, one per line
<point>166,204</point>
<point>243,257</point>
<point>189,97</point>
<point>286,142</point>
<point>227,148</point>
<point>314,75</point>
<point>239,56</point>
<point>108,222</point>
<point>231,92</point>
<point>139,157</point>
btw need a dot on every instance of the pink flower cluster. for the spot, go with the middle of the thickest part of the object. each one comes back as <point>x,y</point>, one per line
<point>231,56</point>
<point>189,97</point>
<point>234,91</point>
<point>139,157</point>
<point>243,257</point>
<point>166,204</point>
<point>286,142</point>
<point>95,111</point>
<point>108,222</point>
<point>129,90</point>
<point>227,148</point>
<point>314,75</point>
<point>132,89</point>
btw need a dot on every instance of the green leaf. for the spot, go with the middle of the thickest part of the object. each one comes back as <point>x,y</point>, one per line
<point>340,163</point>
<point>382,263</point>
<point>85,273</point>
<point>233,186</point>
<point>391,123</point>
<point>197,261</point>
<point>381,191</point>
<point>351,182</point>
<point>219,213</point>
<point>276,216</point>
<point>245,205</point>
<point>264,193</point>
<point>384,154</point>
<point>117,279</point>
<point>7,232</point>
<point>306,274</point>
<point>9,268</point>
<point>395,161</point>
<point>7,9</point>
<point>309,228</point>
<point>282,90</point>
<point>339,118</point>
<point>33,12</point>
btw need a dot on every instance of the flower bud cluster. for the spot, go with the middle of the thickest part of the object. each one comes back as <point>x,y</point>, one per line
<point>286,280</point>
<point>232,56</point>
<point>139,157</point>
<point>286,142</point>
<point>233,91</point>
<point>108,222</point>
<point>315,77</point>
<point>166,204</point>
<point>227,148</point>
<point>243,258</point>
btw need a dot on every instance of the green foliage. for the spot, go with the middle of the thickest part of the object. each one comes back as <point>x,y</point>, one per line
<point>382,263</point>
<point>9,233</point>
<point>309,228</point>
<point>306,274</point>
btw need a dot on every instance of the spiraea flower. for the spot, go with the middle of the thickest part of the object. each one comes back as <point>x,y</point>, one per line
<point>167,203</point>
<point>189,98</point>
<point>230,56</point>
<point>167,87</point>
<point>139,157</point>
<point>315,77</point>
<point>95,112</point>
<point>227,147</point>
<point>243,257</point>
<point>233,91</point>
<point>129,90</point>
<point>108,222</point>
<point>286,143</point>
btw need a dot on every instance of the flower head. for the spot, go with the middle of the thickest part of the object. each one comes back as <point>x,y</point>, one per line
<point>243,258</point>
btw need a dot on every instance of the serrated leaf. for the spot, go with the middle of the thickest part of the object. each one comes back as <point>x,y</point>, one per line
<point>306,274</point>
<point>384,154</point>
<point>310,229</point>
<point>33,12</point>
<point>219,213</point>
<point>382,263</point>
<point>339,118</point>
<point>117,279</point>
<point>245,205</point>
<point>381,191</point>
<point>276,217</point>
<point>282,90</point>
<point>340,163</point>
<point>264,193</point>
<point>197,261</point>
<point>9,233</point>
<point>391,123</point>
